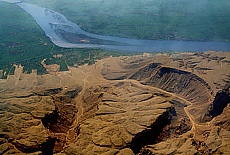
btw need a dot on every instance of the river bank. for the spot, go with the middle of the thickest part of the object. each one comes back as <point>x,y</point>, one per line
<point>53,22</point>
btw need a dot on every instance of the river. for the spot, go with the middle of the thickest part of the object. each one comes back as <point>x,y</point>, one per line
<point>52,23</point>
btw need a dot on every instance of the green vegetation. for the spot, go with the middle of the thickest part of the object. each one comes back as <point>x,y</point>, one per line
<point>207,20</point>
<point>23,42</point>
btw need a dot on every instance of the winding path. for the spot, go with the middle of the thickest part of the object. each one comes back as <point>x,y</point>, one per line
<point>87,71</point>
<point>192,120</point>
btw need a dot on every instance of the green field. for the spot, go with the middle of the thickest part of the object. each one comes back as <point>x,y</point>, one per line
<point>22,41</point>
<point>206,20</point>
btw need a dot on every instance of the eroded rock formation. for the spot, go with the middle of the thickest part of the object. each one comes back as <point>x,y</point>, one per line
<point>183,83</point>
<point>222,99</point>
<point>136,104</point>
<point>60,120</point>
<point>151,135</point>
<point>215,143</point>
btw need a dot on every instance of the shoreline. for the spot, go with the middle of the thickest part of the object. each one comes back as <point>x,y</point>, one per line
<point>50,22</point>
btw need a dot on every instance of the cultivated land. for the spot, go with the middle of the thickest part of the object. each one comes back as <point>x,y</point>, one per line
<point>155,104</point>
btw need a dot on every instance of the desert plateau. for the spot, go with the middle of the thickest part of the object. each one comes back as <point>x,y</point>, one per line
<point>142,104</point>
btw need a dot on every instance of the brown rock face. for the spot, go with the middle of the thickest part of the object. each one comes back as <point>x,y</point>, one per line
<point>183,83</point>
<point>223,120</point>
<point>31,139</point>
<point>60,120</point>
<point>143,104</point>
<point>216,143</point>
<point>222,99</point>
<point>48,92</point>
<point>151,135</point>
<point>59,123</point>
<point>127,116</point>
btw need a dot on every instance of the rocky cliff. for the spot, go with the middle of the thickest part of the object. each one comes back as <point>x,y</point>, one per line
<point>120,106</point>
<point>222,99</point>
<point>60,120</point>
<point>183,83</point>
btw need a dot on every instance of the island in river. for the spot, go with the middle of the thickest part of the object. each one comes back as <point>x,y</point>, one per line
<point>67,34</point>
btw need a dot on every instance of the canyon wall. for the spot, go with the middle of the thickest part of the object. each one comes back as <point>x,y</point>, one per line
<point>183,83</point>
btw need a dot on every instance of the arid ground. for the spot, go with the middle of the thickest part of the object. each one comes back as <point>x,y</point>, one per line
<point>142,104</point>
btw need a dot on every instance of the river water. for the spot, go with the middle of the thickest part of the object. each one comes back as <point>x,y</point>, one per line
<point>53,22</point>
